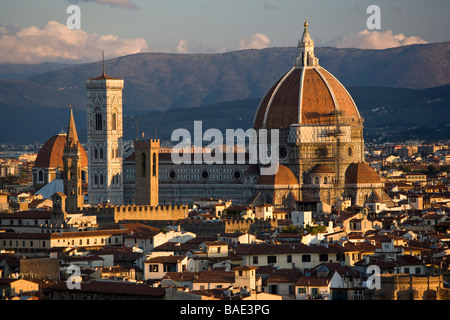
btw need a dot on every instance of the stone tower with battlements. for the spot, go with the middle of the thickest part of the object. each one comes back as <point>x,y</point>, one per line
<point>147,172</point>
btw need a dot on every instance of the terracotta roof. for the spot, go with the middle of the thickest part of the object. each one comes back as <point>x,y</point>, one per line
<point>110,287</point>
<point>322,94</point>
<point>26,215</point>
<point>104,77</point>
<point>166,259</point>
<point>284,275</point>
<point>321,168</point>
<point>51,153</point>
<point>216,277</point>
<point>361,172</point>
<point>284,176</point>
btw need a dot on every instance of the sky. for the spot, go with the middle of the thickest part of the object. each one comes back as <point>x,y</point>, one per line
<point>37,31</point>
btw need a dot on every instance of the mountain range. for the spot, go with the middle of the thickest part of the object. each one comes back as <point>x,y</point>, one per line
<point>405,86</point>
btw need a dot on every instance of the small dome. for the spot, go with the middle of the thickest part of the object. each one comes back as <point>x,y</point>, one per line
<point>51,153</point>
<point>284,176</point>
<point>360,172</point>
<point>321,169</point>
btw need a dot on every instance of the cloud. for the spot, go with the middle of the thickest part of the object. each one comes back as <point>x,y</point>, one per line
<point>192,46</point>
<point>269,6</point>
<point>111,3</point>
<point>366,39</point>
<point>256,41</point>
<point>54,42</point>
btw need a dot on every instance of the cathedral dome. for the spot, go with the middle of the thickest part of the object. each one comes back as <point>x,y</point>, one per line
<point>307,95</point>
<point>361,173</point>
<point>51,153</point>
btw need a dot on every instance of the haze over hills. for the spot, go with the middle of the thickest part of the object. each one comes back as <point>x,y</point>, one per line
<point>163,82</point>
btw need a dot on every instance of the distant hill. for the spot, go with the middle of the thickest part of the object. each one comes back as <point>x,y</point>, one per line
<point>23,71</point>
<point>390,114</point>
<point>163,82</point>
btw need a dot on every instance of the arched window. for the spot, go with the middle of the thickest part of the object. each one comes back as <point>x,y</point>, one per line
<point>40,176</point>
<point>95,179</point>
<point>316,180</point>
<point>143,166</point>
<point>114,121</point>
<point>154,164</point>
<point>325,180</point>
<point>95,153</point>
<point>101,178</point>
<point>98,120</point>
<point>101,153</point>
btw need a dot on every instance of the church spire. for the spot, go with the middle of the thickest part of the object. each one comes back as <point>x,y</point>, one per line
<point>72,136</point>
<point>306,56</point>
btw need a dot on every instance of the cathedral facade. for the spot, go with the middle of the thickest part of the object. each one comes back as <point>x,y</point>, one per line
<point>320,138</point>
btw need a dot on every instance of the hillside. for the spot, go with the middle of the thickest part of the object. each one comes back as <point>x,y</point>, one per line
<point>163,82</point>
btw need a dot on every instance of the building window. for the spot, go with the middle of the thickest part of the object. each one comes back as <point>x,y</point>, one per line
<point>255,260</point>
<point>271,259</point>
<point>340,257</point>
<point>154,164</point>
<point>289,258</point>
<point>323,257</point>
<point>114,121</point>
<point>98,125</point>
<point>143,164</point>
<point>301,290</point>
<point>153,268</point>
<point>40,176</point>
<point>306,258</point>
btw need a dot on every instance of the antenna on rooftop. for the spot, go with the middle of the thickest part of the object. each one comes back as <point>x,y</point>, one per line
<point>103,61</point>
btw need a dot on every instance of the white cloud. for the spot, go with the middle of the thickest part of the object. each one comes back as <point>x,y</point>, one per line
<point>256,41</point>
<point>54,42</point>
<point>112,3</point>
<point>192,46</point>
<point>366,39</point>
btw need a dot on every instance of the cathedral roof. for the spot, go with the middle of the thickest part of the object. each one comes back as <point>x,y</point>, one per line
<point>361,172</point>
<point>284,176</point>
<point>321,168</point>
<point>307,94</point>
<point>51,153</point>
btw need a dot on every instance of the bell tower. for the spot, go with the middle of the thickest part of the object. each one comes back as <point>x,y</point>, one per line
<point>147,172</point>
<point>104,136</point>
<point>72,169</point>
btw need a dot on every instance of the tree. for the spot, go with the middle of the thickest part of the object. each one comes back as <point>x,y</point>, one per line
<point>290,229</point>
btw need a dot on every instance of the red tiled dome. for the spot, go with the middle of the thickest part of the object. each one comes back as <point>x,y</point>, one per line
<point>284,176</point>
<point>361,172</point>
<point>308,96</point>
<point>51,153</point>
